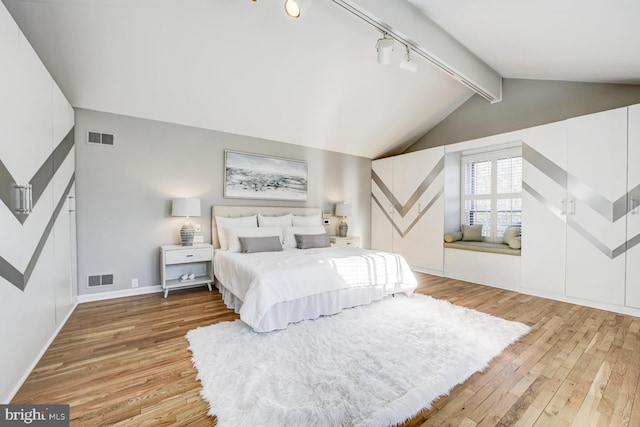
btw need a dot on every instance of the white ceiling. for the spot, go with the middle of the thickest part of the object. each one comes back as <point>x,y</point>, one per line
<point>243,67</point>
<point>571,40</point>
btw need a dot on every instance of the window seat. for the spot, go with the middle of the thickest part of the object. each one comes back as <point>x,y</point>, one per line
<point>492,264</point>
<point>495,248</point>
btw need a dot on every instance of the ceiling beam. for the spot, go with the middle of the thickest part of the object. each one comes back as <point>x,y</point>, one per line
<point>403,22</point>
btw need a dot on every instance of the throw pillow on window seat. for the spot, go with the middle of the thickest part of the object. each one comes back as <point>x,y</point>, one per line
<point>515,243</point>
<point>472,233</point>
<point>453,237</point>
<point>509,234</point>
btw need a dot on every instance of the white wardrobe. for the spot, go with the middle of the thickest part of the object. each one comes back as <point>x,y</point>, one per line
<point>407,207</point>
<point>37,219</point>
<point>580,209</point>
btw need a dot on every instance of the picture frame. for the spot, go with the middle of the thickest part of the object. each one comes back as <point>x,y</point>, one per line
<point>257,176</point>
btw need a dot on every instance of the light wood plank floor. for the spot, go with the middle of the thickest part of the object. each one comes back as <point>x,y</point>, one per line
<point>125,362</point>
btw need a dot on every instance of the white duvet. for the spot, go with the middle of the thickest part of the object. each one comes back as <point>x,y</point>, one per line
<point>262,280</point>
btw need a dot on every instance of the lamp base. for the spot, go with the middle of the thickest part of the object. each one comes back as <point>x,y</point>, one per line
<point>186,234</point>
<point>342,229</point>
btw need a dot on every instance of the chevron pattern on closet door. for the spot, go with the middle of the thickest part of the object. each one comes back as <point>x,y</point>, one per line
<point>406,191</point>
<point>25,234</point>
<point>407,207</point>
<point>601,207</point>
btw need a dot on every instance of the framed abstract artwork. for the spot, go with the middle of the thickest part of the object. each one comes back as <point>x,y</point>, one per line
<point>254,176</point>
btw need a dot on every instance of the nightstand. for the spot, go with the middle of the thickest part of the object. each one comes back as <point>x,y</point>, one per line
<point>177,260</point>
<point>353,241</point>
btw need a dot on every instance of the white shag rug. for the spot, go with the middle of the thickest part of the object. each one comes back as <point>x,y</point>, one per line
<point>375,365</point>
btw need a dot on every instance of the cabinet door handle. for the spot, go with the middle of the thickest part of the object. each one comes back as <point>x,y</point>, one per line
<point>30,197</point>
<point>72,203</point>
<point>25,199</point>
<point>572,207</point>
<point>563,205</point>
<point>189,256</point>
<point>635,205</point>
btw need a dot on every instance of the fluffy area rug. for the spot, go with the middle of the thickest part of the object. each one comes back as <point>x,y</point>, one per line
<point>375,365</point>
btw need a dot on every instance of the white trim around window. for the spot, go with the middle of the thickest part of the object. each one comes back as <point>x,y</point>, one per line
<point>491,191</point>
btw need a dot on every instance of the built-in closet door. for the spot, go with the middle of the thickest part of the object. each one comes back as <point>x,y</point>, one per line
<point>418,217</point>
<point>544,185</point>
<point>596,206</point>
<point>633,215</point>
<point>64,275</point>
<point>36,168</point>
<point>407,207</point>
<point>381,207</point>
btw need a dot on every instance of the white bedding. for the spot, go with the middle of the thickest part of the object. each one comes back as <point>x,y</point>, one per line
<point>312,281</point>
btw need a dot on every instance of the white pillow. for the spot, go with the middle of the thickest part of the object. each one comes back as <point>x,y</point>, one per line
<point>234,232</point>
<point>223,221</point>
<point>270,221</point>
<point>510,233</point>
<point>290,234</point>
<point>300,221</point>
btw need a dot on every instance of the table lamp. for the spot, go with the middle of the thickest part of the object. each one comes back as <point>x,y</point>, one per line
<point>186,207</point>
<point>343,210</point>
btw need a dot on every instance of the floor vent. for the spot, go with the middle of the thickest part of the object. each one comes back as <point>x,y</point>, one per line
<point>99,138</point>
<point>100,280</point>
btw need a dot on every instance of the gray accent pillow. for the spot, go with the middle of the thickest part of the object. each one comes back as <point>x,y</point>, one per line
<point>472,233</point>
<point>453,237</point>
<point>510,233</point>
<point>260,244</point>
<point>515,243</point>
<point>308,241</point>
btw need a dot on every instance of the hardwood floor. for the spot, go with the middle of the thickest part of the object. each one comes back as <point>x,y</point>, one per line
<point>126,362</point>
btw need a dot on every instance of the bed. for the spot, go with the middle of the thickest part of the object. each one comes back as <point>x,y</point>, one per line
<point>275,288</point>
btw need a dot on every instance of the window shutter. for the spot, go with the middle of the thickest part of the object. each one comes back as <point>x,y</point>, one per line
<point>492,191</point>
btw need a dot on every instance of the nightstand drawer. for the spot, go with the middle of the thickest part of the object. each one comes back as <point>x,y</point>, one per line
<point>345,241</point>
<point>188,255</point>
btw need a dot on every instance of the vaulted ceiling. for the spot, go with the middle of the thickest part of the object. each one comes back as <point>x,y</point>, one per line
<point>246,68</point>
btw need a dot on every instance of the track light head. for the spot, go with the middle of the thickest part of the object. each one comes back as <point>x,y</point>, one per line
<point>408,64</point>
<point>385,49</point>
<point>292,8</point>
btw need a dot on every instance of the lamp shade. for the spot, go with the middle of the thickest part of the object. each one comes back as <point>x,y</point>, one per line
<point>343,209</point>
<point>185,207</point>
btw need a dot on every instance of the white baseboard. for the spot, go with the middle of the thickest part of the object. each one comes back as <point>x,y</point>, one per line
<point>119,294</point>
<point>33,364</point>
<point>587,303</point>
<point>427,271</point>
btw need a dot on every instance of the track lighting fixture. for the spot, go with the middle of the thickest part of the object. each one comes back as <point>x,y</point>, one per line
<point>409,64</point>
<point>385,49</point>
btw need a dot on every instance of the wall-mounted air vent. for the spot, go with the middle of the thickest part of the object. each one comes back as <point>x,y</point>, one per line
<point>100,280</point>
<point>100,138</point>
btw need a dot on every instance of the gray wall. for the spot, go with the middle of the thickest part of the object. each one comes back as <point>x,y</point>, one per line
<point>124,192</point>
<point>526,103</point>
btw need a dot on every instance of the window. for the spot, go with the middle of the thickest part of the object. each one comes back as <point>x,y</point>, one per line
<point>492,191</point>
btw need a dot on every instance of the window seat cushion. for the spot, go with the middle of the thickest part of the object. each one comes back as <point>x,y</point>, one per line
<point>496,248</point>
